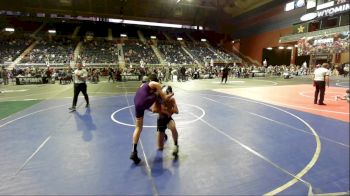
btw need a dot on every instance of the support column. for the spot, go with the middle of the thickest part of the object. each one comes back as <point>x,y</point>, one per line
<point>293,55</point>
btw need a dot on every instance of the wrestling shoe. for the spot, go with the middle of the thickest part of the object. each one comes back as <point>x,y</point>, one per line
<point>135,158</point>
<point>72,108</point>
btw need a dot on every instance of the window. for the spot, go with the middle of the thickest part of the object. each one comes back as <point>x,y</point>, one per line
<point>344,19</point>
<point>329,22</point>
<point>322,1</point>
<point>314,26</point>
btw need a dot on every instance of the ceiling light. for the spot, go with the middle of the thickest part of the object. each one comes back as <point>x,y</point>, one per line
<point>289,6</point>
<point>300,3</point>
<point>179,38</point>
<point>325,5</point>
<point>281,47</point>
<point>203,40</point>
<point>269,48</point>
<point>9,29</point>
<point>308,16</point>
<point>310,4</point>
<point>52,31</point>
<point>66,2</point>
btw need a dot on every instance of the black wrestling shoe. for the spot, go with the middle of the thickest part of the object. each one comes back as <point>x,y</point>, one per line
<point>176,151</point>
<point>135,158</point>
<point>87,105</point>
<point>322,104</point>
<point>72,109</point>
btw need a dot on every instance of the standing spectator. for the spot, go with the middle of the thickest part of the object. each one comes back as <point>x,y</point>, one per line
<point>111,74</point>
<point>80,76</point>
<point>48,74</point>
<point>346,69</point>
<point>4,75</point>
<point>265,63</point>
<point>1,80</point>
<point>118,75</point>
<point>167,73</point>
<point>160,75</point>
<point>183,73</point>
<point>225,74</point>
<point>321,79</point>
<point>172,73</point>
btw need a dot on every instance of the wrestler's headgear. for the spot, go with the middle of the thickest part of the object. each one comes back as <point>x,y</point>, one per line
<point>167,89</point>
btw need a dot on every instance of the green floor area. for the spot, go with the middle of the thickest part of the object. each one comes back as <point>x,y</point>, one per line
<point>10,107</point>
<point>14,98</point>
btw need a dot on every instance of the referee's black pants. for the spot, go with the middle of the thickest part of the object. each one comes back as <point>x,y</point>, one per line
<point>80,87</point>
<point>320,89</point>
<point>224,77</point>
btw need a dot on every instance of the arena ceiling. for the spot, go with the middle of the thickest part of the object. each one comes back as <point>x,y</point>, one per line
<point>189,12</point>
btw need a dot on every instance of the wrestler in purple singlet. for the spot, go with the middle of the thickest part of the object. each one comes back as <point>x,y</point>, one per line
<point>143,100</point>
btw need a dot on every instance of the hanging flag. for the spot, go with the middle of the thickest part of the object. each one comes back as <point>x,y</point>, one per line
<point>300,28</point>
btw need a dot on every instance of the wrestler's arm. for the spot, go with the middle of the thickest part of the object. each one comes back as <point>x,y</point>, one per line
<point>158,89</point>
<point>326,79</point>
<point>174,109</point>
<point>157,107</point>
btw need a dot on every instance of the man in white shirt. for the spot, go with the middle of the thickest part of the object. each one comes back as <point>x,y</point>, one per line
<point>80,77</point>
<point>321,79</point>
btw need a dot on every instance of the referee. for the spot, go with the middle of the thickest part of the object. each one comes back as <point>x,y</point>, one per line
<point>321,80</point>
<point>80,76</point>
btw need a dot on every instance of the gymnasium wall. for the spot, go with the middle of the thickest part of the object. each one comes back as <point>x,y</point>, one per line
<point>253,46</point>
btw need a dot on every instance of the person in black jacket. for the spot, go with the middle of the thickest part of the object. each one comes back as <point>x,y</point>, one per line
<point>225,74</point>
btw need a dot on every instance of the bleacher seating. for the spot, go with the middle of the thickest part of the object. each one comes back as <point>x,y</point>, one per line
<point>56,50</point>
<point>200,52</point>
<point>12,46</point>
<point>100,45</point>
<point>135,51</point>
<point>174,54</point>
<point>99,51</point>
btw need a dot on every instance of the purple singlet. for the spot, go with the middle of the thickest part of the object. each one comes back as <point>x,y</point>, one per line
<point>143,99</point>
